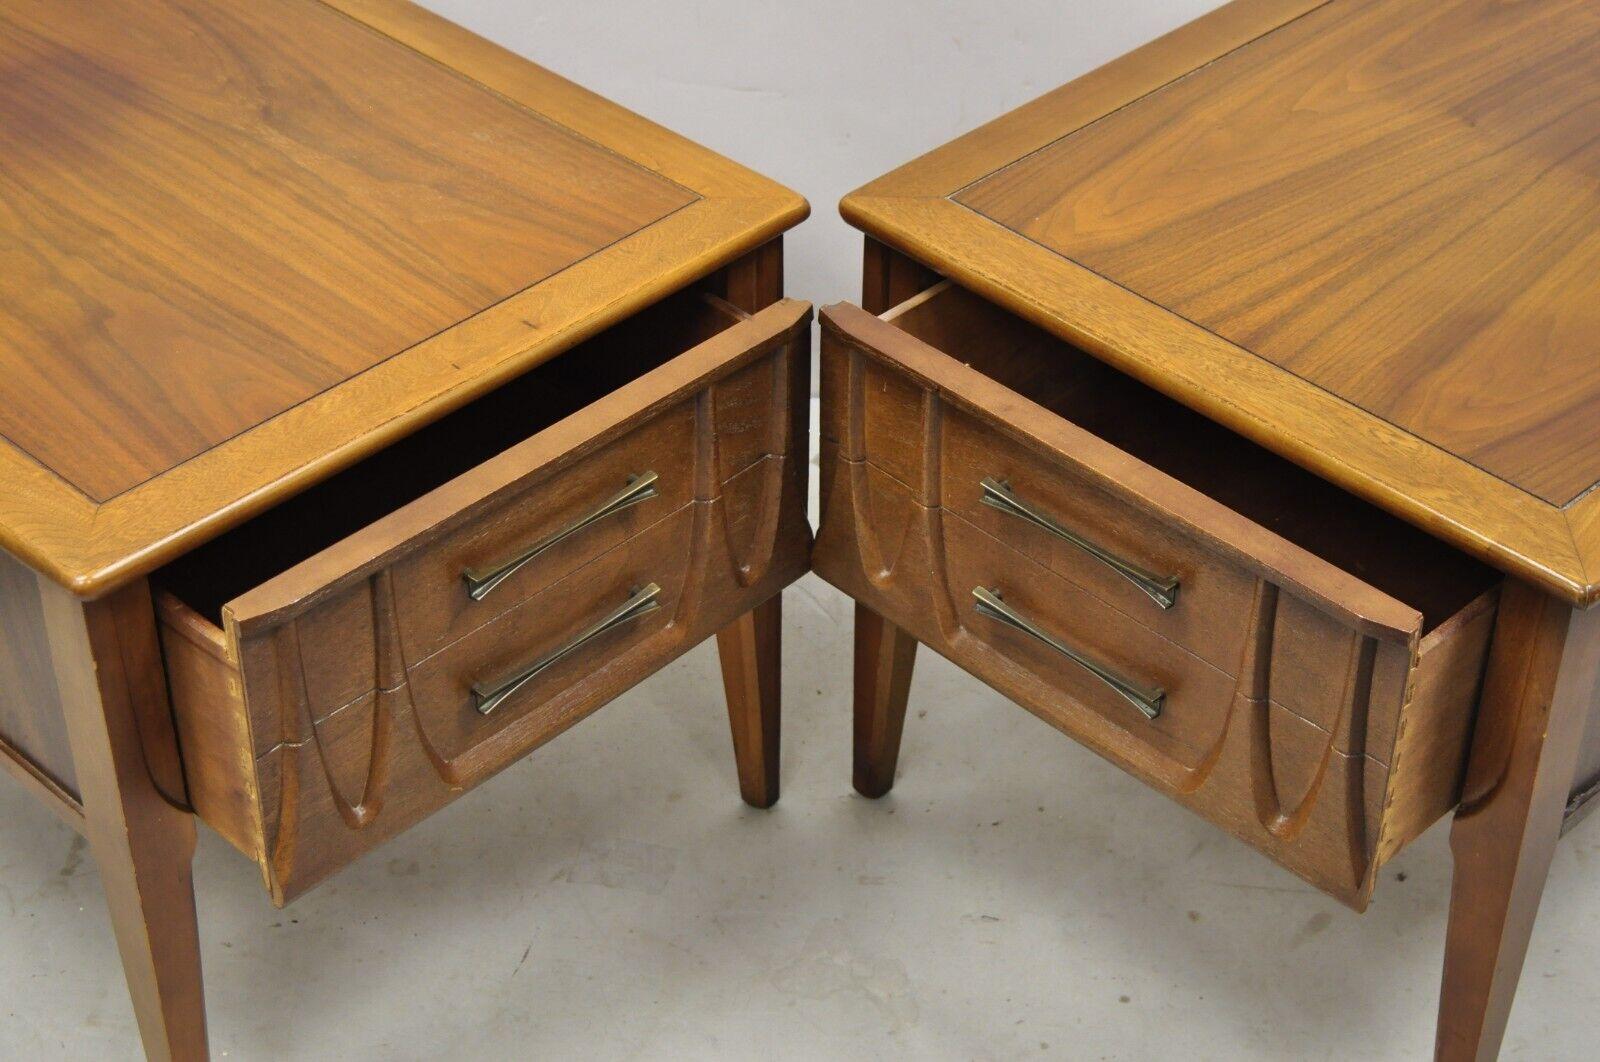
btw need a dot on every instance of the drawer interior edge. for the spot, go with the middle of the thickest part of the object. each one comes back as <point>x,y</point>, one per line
<point>1272,492</point>
<point>332,510</point>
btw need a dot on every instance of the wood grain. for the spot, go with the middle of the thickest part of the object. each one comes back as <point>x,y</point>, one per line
<point>1292,744</point>
<point>750,650</point>
<point>447,215</point>
<point>1411,221</point>
<point>106,660</point>
<point>1430,481</point>
<point>1159,496</point>
<point>884,654</point>
<point>31,723</point>
<point>147,325</point>
<point>322,734</point>
<point>1543,675</point>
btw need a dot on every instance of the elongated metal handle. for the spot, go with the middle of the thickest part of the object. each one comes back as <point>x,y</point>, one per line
<point>1148,701</point>
<point>482,581</point>
<point>1162,589</point>
<point>488,697</point>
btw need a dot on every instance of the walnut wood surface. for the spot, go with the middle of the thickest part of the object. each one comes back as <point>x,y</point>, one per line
<point>314,729</point>
<point>1358,232</point>
<point>1293,740</point>
<point>107,666</point>
<point>311,229</point>
<point>1411,222</point>
<point>884,657</point>
<point>1543,676</point>
<point>32,726</point>
<point>319,247</point>
<point>884,654</point>
<point>750,650</point>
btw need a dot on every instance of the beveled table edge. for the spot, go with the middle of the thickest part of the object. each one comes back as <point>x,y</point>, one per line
<point>92,548</point>
<point>910,209</point>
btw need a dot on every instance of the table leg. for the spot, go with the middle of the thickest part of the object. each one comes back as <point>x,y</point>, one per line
<point>750,648</point>
<point>884,658</point>
<point>106,658</point>
<point>1543,670</point>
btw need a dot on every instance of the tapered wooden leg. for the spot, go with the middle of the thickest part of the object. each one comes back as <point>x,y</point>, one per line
<point>750,651</point>
<point>1542,677</point>
<point>884,656</point>
<point>106,659</point>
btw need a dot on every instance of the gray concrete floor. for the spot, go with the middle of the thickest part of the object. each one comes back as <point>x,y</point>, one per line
<point>610,897</point>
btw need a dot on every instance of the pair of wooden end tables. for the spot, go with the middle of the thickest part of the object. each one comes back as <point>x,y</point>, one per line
<point>1233,408</point>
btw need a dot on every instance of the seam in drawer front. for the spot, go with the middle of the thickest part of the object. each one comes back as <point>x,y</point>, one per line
<point>435,607</point>
<point>442,686</point>
<point>343,739</point>
<point>1321,676</point>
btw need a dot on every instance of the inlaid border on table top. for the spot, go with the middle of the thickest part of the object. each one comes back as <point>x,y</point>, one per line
<point>910,209</point>
<point>92,548</point>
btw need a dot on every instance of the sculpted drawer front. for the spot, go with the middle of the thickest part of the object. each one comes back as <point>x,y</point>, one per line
<point>1085,532</point>
<point>1298,668</point>
<point>1157,692</point>
<point>351,693</point>
<point>500,560</point>
<point>608,613</point>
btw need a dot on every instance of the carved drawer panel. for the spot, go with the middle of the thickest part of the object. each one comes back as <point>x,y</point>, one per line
<point>606,613</point>
<point>356,690</point>
<point>1091,654</point>
<point>1151,571</point>
<point>507,556</point>
<point>1310,683</point>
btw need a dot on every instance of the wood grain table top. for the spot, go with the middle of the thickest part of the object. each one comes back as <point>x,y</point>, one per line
<point>1365,233</point>
<point>244,243</point>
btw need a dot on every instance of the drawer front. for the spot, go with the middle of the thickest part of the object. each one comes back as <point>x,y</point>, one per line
<point>1085,532</point>
<point>1155,692</point>
<point>344,700</point>
<point>616,611</point>
<point>502,558</point>
<point>1287,686</point>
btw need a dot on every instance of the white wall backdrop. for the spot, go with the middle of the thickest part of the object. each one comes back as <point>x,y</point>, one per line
<point>822,95</point>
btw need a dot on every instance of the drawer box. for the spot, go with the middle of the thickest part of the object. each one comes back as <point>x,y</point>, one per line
<point>333,678</point>
<point>1315,661</point>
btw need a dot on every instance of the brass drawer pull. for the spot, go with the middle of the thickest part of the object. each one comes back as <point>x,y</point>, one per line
<point>486,698</point>
<point>481,582</point>
<point>1162,589</point>
<point>1147,701</point>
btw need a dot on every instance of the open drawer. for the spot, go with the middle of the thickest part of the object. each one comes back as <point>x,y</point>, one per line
<point>353,659</point>
<point>1287,660</point>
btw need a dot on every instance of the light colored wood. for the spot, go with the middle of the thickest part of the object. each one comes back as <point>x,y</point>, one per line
<point>1443,137</point>
<point>276,433</point>
<point>1418,477</point>
<point>105,656</point>
<point>1094,95</point>
<point>312,257</point>
<point>1544,673</point>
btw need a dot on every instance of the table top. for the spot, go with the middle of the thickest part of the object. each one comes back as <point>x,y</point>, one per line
<point>246,242</point>
<point>1365,233</point>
